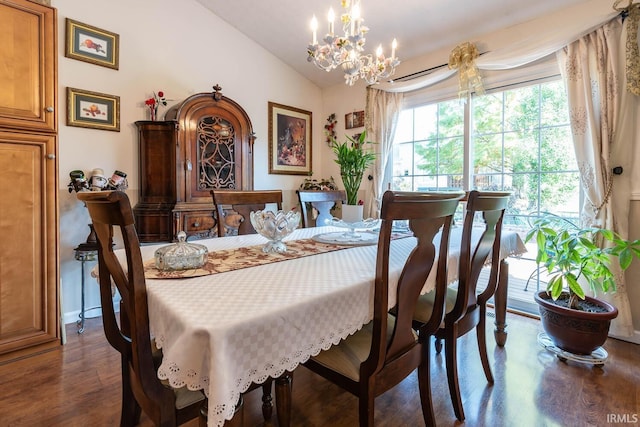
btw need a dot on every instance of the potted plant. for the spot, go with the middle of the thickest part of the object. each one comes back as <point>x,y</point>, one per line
<point>572,257</point>
<point>354,158</point>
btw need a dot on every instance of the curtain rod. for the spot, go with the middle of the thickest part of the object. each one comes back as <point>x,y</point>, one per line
<point>419,73</point>
<point>424,72</point>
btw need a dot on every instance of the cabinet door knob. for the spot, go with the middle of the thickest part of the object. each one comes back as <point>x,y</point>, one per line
<point>50,156</point>
<point>188,165</point>
<point>49,109</point>
<point>196,224</point>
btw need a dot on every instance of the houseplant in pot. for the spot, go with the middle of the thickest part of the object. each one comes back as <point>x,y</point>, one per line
<point>354,157</point>
<point>574,257</point>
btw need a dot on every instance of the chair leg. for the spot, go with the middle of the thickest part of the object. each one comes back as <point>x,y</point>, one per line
<point>424,383</point>
<point>130,412</point>
<point>283,398</point>
<point>267,400</point>
<point>481,334</point>
<point>366,407</point>
<point>500,304</point>
<point>204,414</point>
<point>450,351</point>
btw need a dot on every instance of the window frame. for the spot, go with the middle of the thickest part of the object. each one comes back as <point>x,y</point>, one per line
<point>522,218</point>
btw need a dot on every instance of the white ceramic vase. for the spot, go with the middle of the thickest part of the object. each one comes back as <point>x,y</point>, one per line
<point>352,213</point>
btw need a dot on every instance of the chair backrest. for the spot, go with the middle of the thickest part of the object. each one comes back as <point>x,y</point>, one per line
<point>428,214</point>
<point>243,203</point>
<point>320,200</point>
<point>474,256</point>
<point>130,336</point>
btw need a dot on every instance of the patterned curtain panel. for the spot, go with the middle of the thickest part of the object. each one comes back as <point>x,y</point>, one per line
<point>381,116</point>
<point>601,112</point>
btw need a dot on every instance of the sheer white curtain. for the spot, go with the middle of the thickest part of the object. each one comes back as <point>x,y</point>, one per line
<point>381,116</point>
<point>593,68</point>
<point>530,46</point>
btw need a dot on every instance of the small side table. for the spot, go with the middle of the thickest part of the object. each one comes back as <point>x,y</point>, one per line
<point>84,252</point>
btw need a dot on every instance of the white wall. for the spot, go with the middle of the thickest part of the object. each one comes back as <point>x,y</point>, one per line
<point>180,48</point>
<point>340,100</point>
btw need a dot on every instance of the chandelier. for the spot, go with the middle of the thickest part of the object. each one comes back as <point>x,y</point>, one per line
<point>346,51</point>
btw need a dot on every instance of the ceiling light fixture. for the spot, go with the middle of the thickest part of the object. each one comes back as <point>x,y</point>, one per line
<point>346,51</point>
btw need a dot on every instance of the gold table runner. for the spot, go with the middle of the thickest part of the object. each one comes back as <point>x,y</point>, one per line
<point>244,257</point>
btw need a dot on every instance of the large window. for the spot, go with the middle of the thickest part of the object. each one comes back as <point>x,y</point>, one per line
<point>517,139</point>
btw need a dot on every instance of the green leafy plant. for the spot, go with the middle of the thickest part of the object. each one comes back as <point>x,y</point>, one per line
<point>354,158</point>
<point>571,254</point>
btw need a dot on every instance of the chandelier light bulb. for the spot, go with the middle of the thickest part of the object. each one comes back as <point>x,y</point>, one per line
<point>355,12</point>
<point>331,16</point>
<point>355,19</point>
<point>346,51</point>
<point>314,28</point>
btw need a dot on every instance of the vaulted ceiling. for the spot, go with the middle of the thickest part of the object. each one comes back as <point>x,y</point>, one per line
<point>420,26</point>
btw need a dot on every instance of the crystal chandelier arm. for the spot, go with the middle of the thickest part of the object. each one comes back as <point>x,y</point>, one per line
<point>346,51</point>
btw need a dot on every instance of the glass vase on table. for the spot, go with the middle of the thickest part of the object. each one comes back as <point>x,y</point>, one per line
<point>352,220</point>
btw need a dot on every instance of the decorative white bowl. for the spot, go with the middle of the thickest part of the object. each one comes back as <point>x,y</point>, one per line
<point>275,226</point>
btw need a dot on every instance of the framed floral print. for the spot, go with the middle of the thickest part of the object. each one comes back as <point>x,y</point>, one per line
<point>91,44</point>
<point>289,140</point>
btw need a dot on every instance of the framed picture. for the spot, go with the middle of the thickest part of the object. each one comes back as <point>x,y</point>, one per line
<point>354,120</point>
<point>93,110</point>
<point>91,44</point>
<point>289,140</point>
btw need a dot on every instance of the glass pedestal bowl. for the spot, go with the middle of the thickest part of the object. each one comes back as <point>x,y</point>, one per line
<point>275,226</point>
<point>351,233</point>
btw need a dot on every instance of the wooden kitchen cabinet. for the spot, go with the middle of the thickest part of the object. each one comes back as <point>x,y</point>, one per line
<point>29,271</point>
<point>205,142</point>
<point>28,66</point>
<point>29,313</point>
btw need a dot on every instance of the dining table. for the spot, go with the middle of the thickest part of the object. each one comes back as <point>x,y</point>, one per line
<point>257,315</point>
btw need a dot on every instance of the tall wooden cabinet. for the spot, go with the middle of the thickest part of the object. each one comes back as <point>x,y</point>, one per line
<point>205,142</point>
<point>158,156</point>
<point>29,309</point>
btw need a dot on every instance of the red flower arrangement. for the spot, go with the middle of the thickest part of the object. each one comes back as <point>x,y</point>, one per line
<point>329,128</point>
<point>154,102</point>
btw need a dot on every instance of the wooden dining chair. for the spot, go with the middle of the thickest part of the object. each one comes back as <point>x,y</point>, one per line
<point>241,203</point>
<point>465,308</point>
<point>322,202</point>
<point>387,350</point>
<point>141,388</point>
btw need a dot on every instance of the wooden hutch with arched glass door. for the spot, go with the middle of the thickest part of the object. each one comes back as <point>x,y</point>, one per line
<point>204,143</point>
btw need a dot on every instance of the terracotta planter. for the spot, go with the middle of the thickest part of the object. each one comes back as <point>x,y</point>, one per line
<point>575,331</point>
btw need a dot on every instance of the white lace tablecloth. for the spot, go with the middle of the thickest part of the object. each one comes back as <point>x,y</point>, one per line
<point>222,332</point>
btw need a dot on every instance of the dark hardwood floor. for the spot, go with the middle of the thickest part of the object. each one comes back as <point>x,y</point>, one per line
<point>78,385</point>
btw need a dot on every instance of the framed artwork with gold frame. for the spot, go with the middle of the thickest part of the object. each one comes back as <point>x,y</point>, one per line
<point>289,140</point>
<point>93,110</point>
<point>91,44</point>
